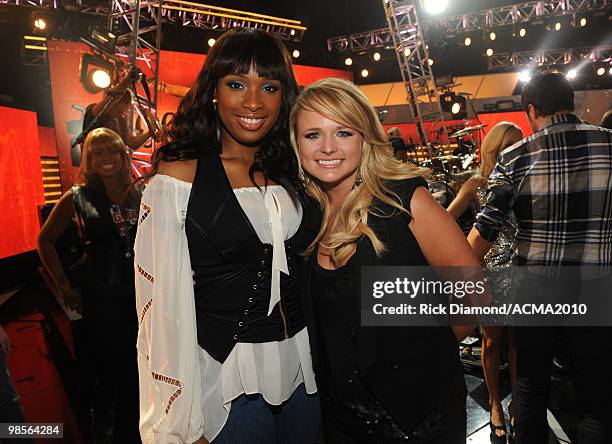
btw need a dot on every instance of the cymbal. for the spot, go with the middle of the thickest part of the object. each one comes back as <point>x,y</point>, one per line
<point>466,130</point>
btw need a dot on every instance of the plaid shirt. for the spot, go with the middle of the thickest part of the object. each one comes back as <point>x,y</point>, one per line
<point>558,183</point>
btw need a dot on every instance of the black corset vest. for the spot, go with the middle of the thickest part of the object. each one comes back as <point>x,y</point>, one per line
<point>232,267</point>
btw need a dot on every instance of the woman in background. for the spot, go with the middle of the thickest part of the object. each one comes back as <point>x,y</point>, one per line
<point>224,355</point>
<point>501,136</point>
<point>104,206</point>
<point>378,384</point>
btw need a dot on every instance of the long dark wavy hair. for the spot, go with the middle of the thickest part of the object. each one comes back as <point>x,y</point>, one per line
<point>194,127</point>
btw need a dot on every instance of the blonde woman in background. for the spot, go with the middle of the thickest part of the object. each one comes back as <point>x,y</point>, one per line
<point>502,136</point>
<point>103,205</point>
<point>377,384</point>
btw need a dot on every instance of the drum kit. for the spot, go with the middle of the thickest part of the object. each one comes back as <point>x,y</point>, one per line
<point>463,157</point>
<point>454,168</point>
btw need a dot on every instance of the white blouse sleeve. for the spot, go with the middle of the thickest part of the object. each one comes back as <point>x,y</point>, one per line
<point>168,364</point>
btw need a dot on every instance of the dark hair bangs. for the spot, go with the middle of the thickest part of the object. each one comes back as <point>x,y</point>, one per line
<point>246,49</point>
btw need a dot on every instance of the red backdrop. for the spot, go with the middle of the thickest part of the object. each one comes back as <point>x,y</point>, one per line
<point>21,188</point>
<point>178,68</point>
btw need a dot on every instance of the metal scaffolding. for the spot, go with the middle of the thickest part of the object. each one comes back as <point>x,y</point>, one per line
<point>413,59</point>
<point>512,15</point>
<point>184,13</point>
<point>550,57</point>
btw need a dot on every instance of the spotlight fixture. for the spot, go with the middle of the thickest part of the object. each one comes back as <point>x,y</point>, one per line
<point>467,41</point>
<point>292,32</point>
<point>101,78</point>
<point>211,42</point>
<point>96,73</point>
<point>492,36</point>
<point>364,73</point>
<point>489,52</point>
<point>296,53</point>
<point>446,101</point>
<point>40,21</point>
<point>525,76</point>
<point>40,24</point>
<point>459,107</point>
<point>101,39</point>
<point>558,26</point>
<point>348,61</point>
<point>430,61</point>
<point>571,74</point>
<point>583,22</point>
<point>434,6</point>
<point>522,32</point>
<point>600,71</point>
<point>376,56</point>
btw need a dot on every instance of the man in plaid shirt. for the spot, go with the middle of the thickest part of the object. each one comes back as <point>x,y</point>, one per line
<point>558,183</point>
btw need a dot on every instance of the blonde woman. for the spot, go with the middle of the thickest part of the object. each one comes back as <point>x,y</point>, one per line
<point>381,384</point>
<point>501,136</point>
<point>104,207</point>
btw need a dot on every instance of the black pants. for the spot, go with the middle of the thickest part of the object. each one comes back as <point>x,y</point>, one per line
<point>589,350</point>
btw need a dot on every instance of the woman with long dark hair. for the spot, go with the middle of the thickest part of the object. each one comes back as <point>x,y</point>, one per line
<point>223,350</point>
<point>104,206</point>
<point>378,384</point>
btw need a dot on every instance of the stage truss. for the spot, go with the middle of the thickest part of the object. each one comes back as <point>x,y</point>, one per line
<point>551,57</point>
<point>512,15</point>
<point>406,36</point>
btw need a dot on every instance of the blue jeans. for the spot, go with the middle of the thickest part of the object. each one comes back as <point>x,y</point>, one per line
<point>252,420</point>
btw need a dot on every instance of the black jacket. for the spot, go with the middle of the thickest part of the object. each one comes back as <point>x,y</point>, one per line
<point>409,369</point>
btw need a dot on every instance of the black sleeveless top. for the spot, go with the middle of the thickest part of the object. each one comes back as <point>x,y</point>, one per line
<point>107,234</point>
<point>377,383</point>
<point>232,267</point>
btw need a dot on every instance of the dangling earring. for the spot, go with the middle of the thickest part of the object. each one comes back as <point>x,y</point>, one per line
<point>358,180</point>
<point>214,102</point>
<point>302,177</point>
<point>218,131</point>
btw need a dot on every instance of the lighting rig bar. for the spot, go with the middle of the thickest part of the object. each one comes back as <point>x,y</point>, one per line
<point>413,61</point>
<point>189,14</point>
<point>547,58</point>
<point>520,13</point>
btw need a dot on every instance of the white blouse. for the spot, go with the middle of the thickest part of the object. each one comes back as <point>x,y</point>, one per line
<point>184,392</point>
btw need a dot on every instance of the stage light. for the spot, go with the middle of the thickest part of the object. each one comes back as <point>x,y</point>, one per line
<point>296,53</point>
<point>211,42</point>
<point>364,73</point>
<point>430,61</point>
<point>40,24</point>
<point>348,61</point>
<point>100,78</point>
<point>459,107</point>
<point>572,73</point>
<point>407,52</point>
<point>525,76</point>
<point>601,71</point>
<point>558,26</point>
<point>489,52</point>
<point>522,32</point>
<point>435,6</point>
<point>292,32</point>
<point>467,41</point>
<point>583,22</point>
<point>377,56</point>
<point>96,73</point>
<point>492,36</point>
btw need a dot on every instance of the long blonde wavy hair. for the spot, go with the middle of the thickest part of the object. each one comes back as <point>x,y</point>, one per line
<point>497,140</point>
<point>342,102</point>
